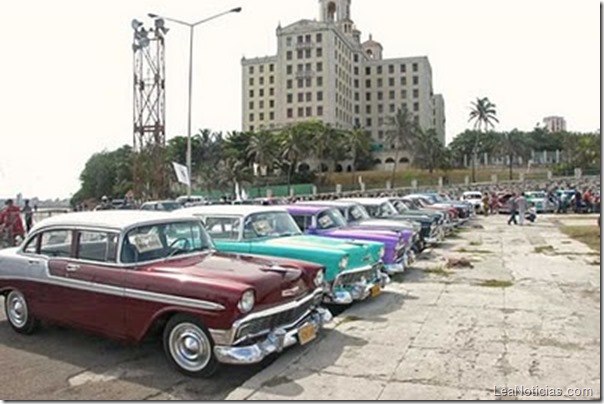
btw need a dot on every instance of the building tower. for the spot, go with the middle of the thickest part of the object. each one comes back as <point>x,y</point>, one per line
<point>337,12</point>
<point>149,140</point>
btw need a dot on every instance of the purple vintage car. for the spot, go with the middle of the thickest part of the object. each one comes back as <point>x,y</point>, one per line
<point>329,222</point>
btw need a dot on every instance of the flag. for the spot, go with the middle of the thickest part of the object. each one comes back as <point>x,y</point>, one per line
<point>182,173</point>
<point>237,192</point>
<point>243,195</point>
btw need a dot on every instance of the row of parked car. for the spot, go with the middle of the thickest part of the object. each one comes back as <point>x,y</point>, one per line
<point>221,283</point>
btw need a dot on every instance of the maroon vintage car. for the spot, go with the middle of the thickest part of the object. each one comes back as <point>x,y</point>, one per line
<point>124,273</point>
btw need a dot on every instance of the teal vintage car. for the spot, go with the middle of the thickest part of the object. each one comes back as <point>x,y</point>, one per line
<point>353,269</point>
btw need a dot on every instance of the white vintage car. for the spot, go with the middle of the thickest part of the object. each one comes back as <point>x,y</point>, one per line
<point>474,198</point>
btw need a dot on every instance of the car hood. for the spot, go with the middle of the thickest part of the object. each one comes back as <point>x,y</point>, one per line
<point>390,224</point>
<point>272,281</point>
<point>388,237</point>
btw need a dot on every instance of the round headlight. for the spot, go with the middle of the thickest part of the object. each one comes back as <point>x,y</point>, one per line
<point>382,252</point>
<point>319,278</point>
<point>344,262</point>
<point>246,304</point>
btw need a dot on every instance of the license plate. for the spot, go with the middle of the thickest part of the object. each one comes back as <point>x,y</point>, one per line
<point>376,291</point>
<point>306,334</point>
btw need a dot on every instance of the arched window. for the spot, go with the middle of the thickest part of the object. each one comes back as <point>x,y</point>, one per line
<point>390,160</point>
<point>404,160</point>
<point>303,168</point>
<point>349,168</point>
<point>339,168</point>
<point>377,161</point>
<point>331,11</point>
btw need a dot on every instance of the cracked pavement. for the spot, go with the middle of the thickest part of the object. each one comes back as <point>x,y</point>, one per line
<point>441,334</point>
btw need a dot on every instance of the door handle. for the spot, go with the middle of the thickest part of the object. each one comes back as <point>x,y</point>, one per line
<point>72,267</point>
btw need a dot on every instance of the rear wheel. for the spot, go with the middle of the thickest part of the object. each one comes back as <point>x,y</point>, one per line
<point>189,346</point>
<point>18,314</point>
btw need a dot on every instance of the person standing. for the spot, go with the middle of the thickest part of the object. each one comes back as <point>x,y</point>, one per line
<point>513,209</point>
<point>522,207</point>
<point>10,220</point>
<point>28,214</point>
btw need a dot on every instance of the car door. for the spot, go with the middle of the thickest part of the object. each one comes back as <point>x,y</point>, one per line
<point>225,232</point>
<point>86,285</point>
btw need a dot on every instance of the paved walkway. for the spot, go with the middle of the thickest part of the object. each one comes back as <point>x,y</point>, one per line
<point>439,333</point>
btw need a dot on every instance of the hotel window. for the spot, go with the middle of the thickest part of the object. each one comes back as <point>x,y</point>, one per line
<point>368,83</point>
<point>261,104</point>
<point>356,83</point>
<point>308,111</point>
<point>391,81</point>
<point>368,109</point>
<point>379,70</point>
<point>289,69</point>
<point>261,92</point>
<point>271,91</point>
<point>391,94</point>
<point>271,67</point>
<point>356,96</point>
<point>416,93</point>
<point>367,70</point>
<point>251,117</point>
<point>380,108</point>
<point>403,68</point>
<point>288,41</point>
<point>271,116</point>
<point>319,81</point>
<point>308,97</point>
<point>356,58</point>
<point>251,81</point>
<point>414,67</point>
<point>415,80</point>
<point>307,53</point>
<point>319,52</point>
<point>391,69</point>
<point>261,116</point>
<point>380,96</point>
<point>381,135</point>
<point>271,80</point>
<point>290,113</point>
<point>300,97</point>
<point>319,110</point>
<point>319,67</point>
<point>300,112</point>
<point>251,93</point>
<point>403,81</point>
<point>261,68</point>
<point>290,98</point>
<point>251,69</point>
<point>368,122</point>
<point>319,38</point>
<point>300,83</point>
<point>367,96</point>
<point>308,67</point>
<point>251,104</point>
<point>261,81</point>
<point>416,106</point>
<point>300,54</point>
<point>289,55</point>
<point>271,104</point>
<point>357,109</point>
<point>404,94</point>
<point>319,95</point>
<point>300,39</point>
<point>251,128</point>
<point>309,82</point>
<point>307,38</point>
<point>380,82</point>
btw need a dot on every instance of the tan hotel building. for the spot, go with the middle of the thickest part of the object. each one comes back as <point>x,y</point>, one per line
<point>322,71</point>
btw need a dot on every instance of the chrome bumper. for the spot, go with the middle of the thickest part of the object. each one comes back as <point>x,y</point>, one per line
<point>355,292</point>
<point>274,342</point>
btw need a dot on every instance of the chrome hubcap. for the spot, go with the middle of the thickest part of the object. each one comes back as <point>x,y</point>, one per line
<point>17,309</point>
<point>190,347</point>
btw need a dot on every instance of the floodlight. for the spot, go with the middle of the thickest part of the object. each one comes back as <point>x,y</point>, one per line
<point>135,24</point>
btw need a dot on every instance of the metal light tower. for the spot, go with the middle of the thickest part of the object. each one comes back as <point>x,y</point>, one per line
<point>149,173</point>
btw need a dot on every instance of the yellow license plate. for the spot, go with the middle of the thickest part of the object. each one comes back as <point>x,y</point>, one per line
<point>376,291</point>
<point>306,334</point>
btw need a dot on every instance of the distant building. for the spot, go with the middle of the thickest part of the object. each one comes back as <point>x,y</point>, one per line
<point>554,124</point>
<point>322,71</point>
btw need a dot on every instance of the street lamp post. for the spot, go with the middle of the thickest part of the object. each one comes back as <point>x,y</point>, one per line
<point>191,37</point>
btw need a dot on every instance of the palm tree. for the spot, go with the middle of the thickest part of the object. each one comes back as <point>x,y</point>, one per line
<point>262,149</point>
<point>357,140</point>
<point>428,150</point>
<point>402,134</point>
<point>294,143</point>
<point>483,114</point>
<point>321,140</point>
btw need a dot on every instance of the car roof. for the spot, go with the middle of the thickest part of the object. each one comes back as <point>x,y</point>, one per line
<point>368,201</point>
<point>337,203</point>
<point>299,208</point>
<point>114,219</point>
<point>232,210</point>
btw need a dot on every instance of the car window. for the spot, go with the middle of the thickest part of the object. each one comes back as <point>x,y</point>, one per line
<point>223,228</point>
<point>56,243</point>
<point>330,219</point>
<point>357,212</point>
<point>269,224</point>
<point>97,246</point>
<point>32,246</point>
<point>302,221</point>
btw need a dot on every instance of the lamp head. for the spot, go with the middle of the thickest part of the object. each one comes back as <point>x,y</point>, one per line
<point>236,10</point>
<point>151,15</point>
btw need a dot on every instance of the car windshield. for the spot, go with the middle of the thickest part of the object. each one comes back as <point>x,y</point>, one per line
<point>270,224</point>
<point>382,210</point>
<point>164,240</point>
<point>358,212</point>
<point>330,219</point>
<point>472,196</point>
<point>168,206</point>
<point>400,206</point>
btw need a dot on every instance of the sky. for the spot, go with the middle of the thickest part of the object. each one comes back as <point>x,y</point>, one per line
<point>66,69</point>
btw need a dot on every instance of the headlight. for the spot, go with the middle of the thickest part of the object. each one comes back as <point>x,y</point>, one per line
<point>344,262</point>
<point>382,252</point>
<point>319,278</point>
<point>246,304</point>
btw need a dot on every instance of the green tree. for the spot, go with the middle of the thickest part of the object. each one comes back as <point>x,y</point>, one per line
<point>294,144</point>
<point>428,150</point>
<point>402,134</point>
<point>263,150</point>
<point>359,142</point>
<point>484,114</point>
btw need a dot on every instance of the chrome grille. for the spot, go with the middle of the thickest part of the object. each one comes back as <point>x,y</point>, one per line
<point>268,323</point>
<point>370,274</point>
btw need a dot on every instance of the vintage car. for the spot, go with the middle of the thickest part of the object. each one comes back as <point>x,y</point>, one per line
<point>464,209</point>
<point>432,231</point>
<point>540,200</point>
<point>163,206</point>
<point>357,217</point>
<point>474,198</point>
<point>329,222</point>
<point>128,274</point>
<point>353,269</point>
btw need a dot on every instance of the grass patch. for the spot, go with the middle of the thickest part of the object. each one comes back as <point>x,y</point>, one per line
<point>493,283</point>
<point>589,235</point>
<point>466,251</point>
<point>438,271</point>
<point>544,249</point>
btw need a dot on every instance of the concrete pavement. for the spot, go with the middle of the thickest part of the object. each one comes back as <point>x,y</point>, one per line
<point>527,315</point>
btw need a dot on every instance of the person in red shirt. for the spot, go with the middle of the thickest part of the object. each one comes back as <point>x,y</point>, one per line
<point>10,221</point>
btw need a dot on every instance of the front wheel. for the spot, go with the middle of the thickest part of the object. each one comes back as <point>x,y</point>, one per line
<point>18,314</point>
<point>189,346</point>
